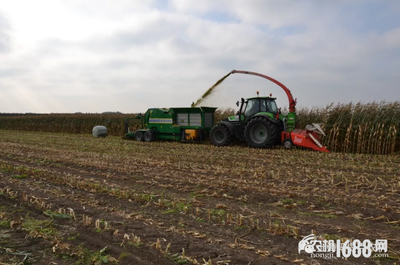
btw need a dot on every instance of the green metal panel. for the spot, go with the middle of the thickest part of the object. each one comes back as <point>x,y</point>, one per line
<point>236,118</point>
<point>165,121</point>
<point>266,114</point>
<point>291,121</point>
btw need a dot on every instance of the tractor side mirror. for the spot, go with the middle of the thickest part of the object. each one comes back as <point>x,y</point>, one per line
<point>237,103</point>
<point>238,113</point>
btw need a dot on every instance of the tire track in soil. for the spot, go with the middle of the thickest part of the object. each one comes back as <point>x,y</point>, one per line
<point>116,179</point>
<point>178,180</point>
<point>103,168</point>
<point>15,244</point>
<point>294,221</point>
<point>197,247</point>
<point>91,239</point>
<point>67,191</point>
<point>95,240</point>
<point>135,167</point>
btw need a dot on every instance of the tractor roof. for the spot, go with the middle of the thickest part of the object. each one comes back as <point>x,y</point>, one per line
<point>261,98</point>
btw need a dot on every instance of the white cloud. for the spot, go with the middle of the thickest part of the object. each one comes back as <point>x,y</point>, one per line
<point>4,35</point>
<point>94,56</point>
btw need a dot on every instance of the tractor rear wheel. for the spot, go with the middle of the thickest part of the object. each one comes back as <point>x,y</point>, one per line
<point>260,132</point>
<point>220,135</point>
<point>139,136</point>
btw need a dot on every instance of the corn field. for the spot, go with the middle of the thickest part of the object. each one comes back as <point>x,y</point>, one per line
<point>371,128</point>
<point>65,123</point>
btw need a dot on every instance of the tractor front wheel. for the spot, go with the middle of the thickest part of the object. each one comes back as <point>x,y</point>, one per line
<point>287,143</point>
<point>220,135</point>
<point>260,132</point>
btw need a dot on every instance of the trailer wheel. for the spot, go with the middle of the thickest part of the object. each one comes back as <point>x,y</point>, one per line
<point>287,143</point>
<point>139,136</point>
<point>220,135</point>
<point>148,136</point>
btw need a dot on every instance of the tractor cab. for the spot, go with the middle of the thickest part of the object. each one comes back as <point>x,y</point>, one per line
<point>259,105</point>
<point>256,105</point>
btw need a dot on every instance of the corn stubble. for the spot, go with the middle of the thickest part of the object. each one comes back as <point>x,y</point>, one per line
<point>230,198</point>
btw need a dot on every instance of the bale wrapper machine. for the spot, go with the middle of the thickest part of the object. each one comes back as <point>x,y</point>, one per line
<point>179,124</point>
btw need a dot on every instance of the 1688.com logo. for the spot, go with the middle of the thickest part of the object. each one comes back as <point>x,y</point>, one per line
<point>336,248</point>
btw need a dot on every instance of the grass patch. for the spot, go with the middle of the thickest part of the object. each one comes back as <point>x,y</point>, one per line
<point>178,258</point>
<point>99,257</point>
<point>22,176</point>
<point>176,207</point>
<point>239,228</point>
<point>218,212</point>
<point>200,219</point>
<point>287,201</point>
<point>324,215</point>
<point>53,214</point>
<point>4,224</point>
<point>301,202</point>
<point>39,228</point>
<point>72,238</point>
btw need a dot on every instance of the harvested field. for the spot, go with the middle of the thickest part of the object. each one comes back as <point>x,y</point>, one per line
<point>75,199</point>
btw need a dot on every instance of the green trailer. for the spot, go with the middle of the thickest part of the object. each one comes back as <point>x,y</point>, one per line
<point>178,124</point>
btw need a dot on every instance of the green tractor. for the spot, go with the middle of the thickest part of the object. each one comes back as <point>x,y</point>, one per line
<point>258,122</point>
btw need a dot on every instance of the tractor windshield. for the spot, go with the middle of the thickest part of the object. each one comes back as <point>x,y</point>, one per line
<point>256,105</point>
<point>270,106</point>
<point>252,107</point>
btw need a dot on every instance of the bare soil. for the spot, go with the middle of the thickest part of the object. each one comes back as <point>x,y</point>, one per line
<point>74,199</point>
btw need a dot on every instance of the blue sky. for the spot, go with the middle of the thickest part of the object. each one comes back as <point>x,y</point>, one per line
<point>96,56</point>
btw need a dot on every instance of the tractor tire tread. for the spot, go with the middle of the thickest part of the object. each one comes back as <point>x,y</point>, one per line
<point>272,132</point>
<point>226,132</point>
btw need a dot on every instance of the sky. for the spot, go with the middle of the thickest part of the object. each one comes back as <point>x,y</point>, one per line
<point>66,56</point>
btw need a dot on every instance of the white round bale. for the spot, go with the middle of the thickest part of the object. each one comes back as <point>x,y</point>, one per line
<point>99,131</point>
